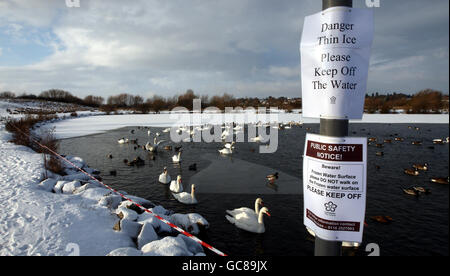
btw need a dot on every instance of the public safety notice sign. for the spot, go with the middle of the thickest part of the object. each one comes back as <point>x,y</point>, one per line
<point>335,52</point>
<point>334,186</point>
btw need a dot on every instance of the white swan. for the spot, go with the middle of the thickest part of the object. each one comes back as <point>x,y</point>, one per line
<point>245,211</point>
<point>186,198</point>
<point>123,141</point>
<point>228,149</point>
<point>153,147</point>
<point>176,186</point>
<point>164,177</point>
<point>244,222</point>
<point>256,139</point>
<point>177,158</point>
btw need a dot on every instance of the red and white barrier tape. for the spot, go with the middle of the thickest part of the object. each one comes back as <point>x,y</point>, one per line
<point>194,238</point>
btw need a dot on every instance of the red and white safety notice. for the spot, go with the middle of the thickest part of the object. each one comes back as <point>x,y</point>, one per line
<point>334,186</point>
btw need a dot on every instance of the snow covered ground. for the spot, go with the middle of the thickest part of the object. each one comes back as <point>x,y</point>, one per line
<point>99,124</point>
<point>69,215</point>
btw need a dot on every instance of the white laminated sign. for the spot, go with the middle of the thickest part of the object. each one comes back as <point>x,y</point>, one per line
<point>335,52</point>
<point>334,186</point>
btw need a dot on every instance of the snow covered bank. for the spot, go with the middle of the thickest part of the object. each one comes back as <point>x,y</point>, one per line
<point>93,125</point>
<point>73,215</point>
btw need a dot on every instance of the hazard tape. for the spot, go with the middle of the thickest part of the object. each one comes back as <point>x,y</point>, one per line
<point>189,235</point>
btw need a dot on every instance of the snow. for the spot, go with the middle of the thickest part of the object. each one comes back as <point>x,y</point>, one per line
<point>99,124</point>
<point>66,215</point>
<point>72,214</point>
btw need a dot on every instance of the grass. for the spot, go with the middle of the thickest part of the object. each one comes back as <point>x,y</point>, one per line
<point>21,132</point>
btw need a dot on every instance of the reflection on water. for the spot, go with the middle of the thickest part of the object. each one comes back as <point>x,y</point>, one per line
<point>420,225</point>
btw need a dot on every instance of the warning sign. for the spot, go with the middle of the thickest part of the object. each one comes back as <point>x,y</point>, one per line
<point>335,51</point>
<point>334,183</point>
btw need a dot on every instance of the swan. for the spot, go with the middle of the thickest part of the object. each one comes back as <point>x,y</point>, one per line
<point>177,158</point>
<point>153,147</point>
<point>245,211</point>
<point>256,139</point>
<point>123,141</point>
<point>176,186</point>
<point>164,177</point>
<point>249,223</point>
<point>228,149</point>
<point>186,198</point>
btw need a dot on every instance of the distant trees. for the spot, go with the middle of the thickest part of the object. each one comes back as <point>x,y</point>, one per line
<point>7,95</point>
<point>425,101</point>
<point>94,101</point>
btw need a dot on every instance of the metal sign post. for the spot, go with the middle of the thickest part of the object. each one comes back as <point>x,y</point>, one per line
<point>331,127</point>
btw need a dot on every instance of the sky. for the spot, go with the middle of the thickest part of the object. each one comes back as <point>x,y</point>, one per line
<point>247,48</point>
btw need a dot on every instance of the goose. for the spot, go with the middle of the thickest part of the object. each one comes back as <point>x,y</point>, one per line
<point>186,198</point>
<point>122,141</point>
<point>272,177</point>
<point>176,186</point>
<point>245,211</point>
<point>414,172</point>
<point>250,224</point>
<point>422,167</point>
<point>164,177</point>
<point>177,158</point>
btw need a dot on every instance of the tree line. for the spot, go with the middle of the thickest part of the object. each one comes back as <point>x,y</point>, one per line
<point>425,101</point>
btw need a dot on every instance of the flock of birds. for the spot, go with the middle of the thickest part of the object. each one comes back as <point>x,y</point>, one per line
<point>416,167</point>
<point>246,218</point>
<point>243,218</point>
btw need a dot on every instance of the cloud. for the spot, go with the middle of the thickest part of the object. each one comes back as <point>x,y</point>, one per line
<point>234,46</point>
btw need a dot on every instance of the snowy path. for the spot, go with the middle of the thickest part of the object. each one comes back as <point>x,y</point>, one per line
<point>36,222</point>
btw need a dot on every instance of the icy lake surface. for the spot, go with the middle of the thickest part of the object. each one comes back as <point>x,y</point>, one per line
<point>420,225</point>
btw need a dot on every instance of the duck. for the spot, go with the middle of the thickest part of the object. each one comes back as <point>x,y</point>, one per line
<point>379,153</point>
<point>176,158</point>
<point>186,198</point>
<point>438,141</point>
<point>272,177</point>
<point>422,167</point>
<point>418,143</point>
<point>399,139</point>
<point>164,177</point>
<point>422,190</point>
<point>382,219</point>
<point>414,172</point>
<point>123,141</point>
<point>193,167</point>
<point>168,147</point>
<point>245,211</point>
<point>176,186</point>
<point>166,130</point>
<point>411,192</point>
<point>250,224</point>
<point>440,180</point>
<point>136,162</point>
